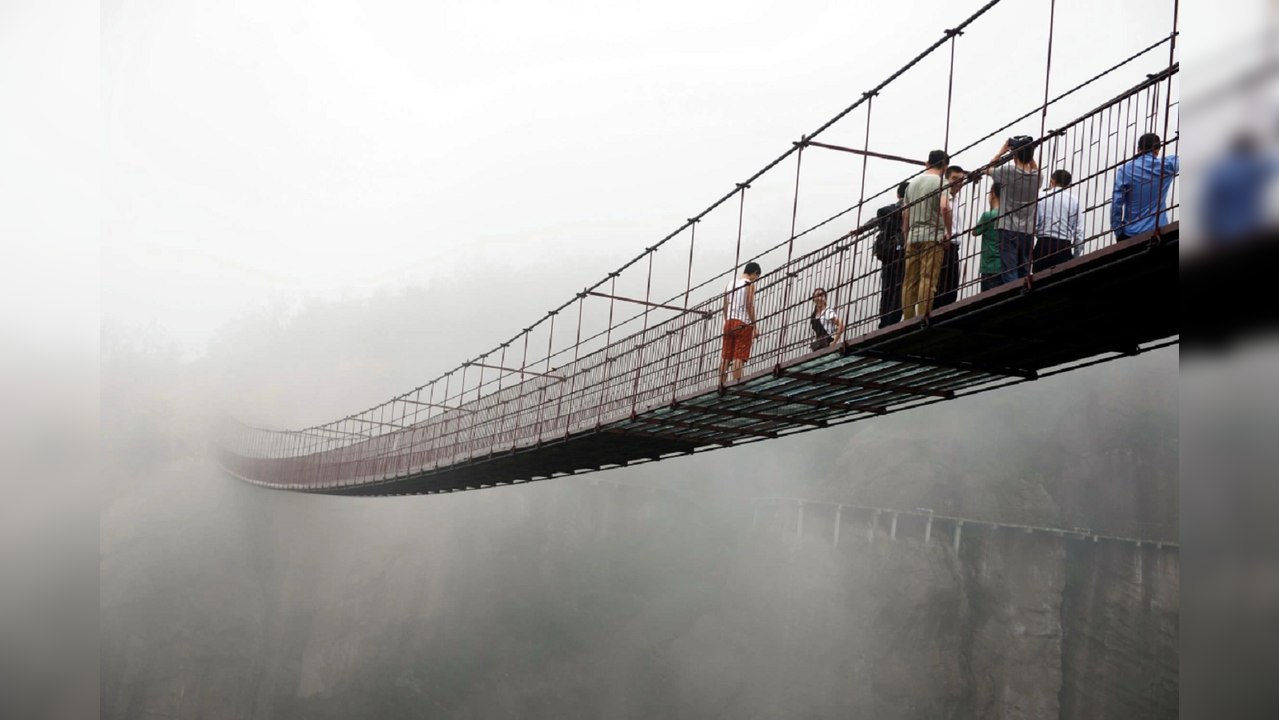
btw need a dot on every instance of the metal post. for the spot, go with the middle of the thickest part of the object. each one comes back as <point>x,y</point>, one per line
<point>1163,145</point>
<point>550,346</point>
<point>861,198</point>
<point>741,211</point>
<point>1052,18</point>
<point>639,349</point>
<point>928,530</point>
<point>950,89</point>
<point>892,529</point>
<point>457,428</point>
<point>790,253</point>
<point>959,528</point>
<point>874,525</point>
<point>608,343</point>
<point>688,287</point>
<point>437,445</point>
<point>1043,127</point>
<point>577,347</point>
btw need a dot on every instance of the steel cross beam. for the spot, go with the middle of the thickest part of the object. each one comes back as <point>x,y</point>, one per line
<point>435,405</point>
<point>515,370</point>
<point>827,404</point>
<point>384,424</point>
<point>703,313</point>
<point>868,384</point>
<point>346,433</point>
<point>867,153</point>
<point>749,415</point>
<point>707,428</point>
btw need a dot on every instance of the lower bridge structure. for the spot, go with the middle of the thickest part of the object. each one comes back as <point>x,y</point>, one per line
<point>872,523</point>
<point>561,398</point>
<point>869,521</point>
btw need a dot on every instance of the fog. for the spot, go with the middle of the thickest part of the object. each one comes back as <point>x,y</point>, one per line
<point>311,207</point>
<point>563,597</point>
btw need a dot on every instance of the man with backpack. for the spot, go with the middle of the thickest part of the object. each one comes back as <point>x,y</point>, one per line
<point>891,252</point>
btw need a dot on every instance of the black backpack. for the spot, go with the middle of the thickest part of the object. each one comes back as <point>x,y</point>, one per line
<point>889,234</point>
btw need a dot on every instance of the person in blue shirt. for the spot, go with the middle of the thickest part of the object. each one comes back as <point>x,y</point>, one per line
<point>1140,187</point>
<point>1235,191</point>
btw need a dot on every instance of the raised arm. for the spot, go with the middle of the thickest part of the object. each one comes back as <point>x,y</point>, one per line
<point>1003,150</point>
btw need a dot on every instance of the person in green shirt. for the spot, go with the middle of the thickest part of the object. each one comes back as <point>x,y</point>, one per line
<point>989,234</point>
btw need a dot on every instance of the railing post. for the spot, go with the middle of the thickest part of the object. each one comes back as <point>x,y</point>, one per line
<point>546,382</point>
<point>790,253</point>
<point>643,336</point>
<point>608,343</point>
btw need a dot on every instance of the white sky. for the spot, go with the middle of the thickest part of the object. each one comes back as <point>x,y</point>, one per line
<point>260,153</point>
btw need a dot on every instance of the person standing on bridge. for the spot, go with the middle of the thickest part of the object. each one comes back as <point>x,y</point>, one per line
<point>948,282</point>
<point>1140,186</point>
<point>739,322</point>
<point>1059,224</point>
<point>890,249</point>
<point>1018,201</point>
<point>926,217</point>
<point>989,233</point>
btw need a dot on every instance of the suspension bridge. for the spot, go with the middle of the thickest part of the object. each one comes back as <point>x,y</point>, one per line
<point>627,371</point>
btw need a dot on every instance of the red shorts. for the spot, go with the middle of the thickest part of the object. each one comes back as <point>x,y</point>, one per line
<point>737,340</point>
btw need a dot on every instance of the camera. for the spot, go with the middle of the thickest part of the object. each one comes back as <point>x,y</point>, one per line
<point>1018,141</point>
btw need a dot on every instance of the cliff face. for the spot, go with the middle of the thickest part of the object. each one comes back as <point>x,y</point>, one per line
<point>1015,586</point>
<point>1014,626</point>
<point>1120,656</point>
